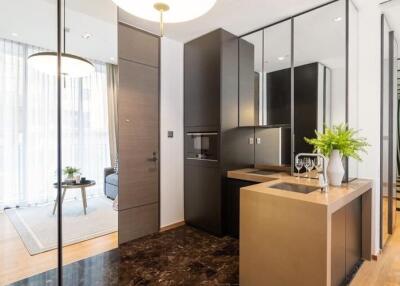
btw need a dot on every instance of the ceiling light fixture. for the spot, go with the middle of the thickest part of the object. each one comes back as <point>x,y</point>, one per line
<point>14,34</point>
<point>337,19</point>
<point>281,58</point>
<point>71,65</point>
<point>166,11</point>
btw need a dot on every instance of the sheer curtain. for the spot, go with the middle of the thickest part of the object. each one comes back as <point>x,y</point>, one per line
<point>28,129</point>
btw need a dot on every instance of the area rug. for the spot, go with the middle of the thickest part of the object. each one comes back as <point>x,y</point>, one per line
<point>37,226</point>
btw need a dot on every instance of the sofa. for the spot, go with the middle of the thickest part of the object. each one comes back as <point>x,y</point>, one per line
<point>110,183</point>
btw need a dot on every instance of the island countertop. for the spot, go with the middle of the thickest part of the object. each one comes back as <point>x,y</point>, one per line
<point>334,198</point>
<point>285,235</point>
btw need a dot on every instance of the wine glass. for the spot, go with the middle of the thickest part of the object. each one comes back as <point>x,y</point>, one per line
<point>318,163</point>
<point>309,165</point>
<point>299,165</point>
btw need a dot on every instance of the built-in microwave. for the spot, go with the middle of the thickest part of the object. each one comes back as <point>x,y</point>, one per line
<point>202,146</point>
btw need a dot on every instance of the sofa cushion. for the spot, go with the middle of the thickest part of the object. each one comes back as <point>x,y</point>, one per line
<point>112,179</point>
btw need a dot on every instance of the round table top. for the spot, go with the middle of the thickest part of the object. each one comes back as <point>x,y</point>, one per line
<point>87,183</point>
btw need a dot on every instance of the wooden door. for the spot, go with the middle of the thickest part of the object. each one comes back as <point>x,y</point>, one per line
<point>138,120</point>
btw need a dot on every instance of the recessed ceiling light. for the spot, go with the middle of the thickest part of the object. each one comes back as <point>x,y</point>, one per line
<point>337,19</point>
<point>86,36</point>
<point>112,58</point>
<point>281,58</point>
<point>14,34</point>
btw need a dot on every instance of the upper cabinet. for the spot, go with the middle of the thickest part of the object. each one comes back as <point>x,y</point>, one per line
<point>203,81</point>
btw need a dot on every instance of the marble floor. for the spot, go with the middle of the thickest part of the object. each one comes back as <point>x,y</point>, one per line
<point>182,256</point>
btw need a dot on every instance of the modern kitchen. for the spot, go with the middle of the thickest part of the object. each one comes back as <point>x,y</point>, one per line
<point>244,142</point>
<point>249,172</point>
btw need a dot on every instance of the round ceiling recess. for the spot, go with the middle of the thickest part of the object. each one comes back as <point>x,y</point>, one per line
<point>179,10</point>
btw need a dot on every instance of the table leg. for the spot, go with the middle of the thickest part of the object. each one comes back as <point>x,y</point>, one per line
<point>55,205</point>
<point>83,191</point>
<point>56,202</point>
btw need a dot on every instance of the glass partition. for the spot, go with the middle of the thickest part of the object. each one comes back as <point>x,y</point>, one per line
<point>28,141</point>
<point>352,80</point>
<point>385,132</point>
<point>89,146</point>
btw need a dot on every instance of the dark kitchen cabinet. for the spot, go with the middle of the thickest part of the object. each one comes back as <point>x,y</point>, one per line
<point>248,85</point>
<point>213,141</point>
<point>203,81</point>
<point>278,97</point>
<point>203,198</point>
<point>231,205</point>
<point>346,241</point>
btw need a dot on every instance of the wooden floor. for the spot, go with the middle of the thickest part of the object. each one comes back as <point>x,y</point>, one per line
<point>385,271</point>
<point>16,263</point>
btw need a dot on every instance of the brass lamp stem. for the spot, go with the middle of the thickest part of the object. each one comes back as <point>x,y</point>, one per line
<point>161,7</point>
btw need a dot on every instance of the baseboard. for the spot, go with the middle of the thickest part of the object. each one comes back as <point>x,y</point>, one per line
<point>376,256</point>
<point>172,226</point>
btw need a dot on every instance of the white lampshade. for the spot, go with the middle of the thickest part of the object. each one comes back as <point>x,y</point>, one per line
<point>179,10</point>
<point>71,65</point>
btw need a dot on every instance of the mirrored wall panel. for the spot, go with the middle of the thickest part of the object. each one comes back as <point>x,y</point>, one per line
<point>275,98</point>
<point>250,79</point>
<point>319,72</point>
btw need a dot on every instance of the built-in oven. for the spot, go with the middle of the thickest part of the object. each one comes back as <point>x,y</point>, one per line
<point>202,146</point>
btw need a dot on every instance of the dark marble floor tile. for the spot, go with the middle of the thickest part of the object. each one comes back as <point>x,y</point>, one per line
<point>183,256</point>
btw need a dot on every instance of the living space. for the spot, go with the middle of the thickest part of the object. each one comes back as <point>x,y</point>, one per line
<point>28,140</point>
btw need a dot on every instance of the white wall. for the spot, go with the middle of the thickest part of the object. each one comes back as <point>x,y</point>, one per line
<point>369,99</point>
<point>171,153</point>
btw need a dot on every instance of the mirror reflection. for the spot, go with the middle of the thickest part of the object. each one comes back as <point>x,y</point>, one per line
<point>319,72</point>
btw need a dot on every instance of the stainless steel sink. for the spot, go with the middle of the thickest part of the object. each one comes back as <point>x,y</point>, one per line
<point>263,172</point>
<point>294,188</point>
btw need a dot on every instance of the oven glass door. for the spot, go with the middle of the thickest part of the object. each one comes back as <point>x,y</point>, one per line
<point>202,146</point>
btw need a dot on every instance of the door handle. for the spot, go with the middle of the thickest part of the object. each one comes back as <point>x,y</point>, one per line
<point>154,158</point>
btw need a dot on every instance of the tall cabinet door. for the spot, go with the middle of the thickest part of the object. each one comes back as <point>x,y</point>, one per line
<point>138,120</point>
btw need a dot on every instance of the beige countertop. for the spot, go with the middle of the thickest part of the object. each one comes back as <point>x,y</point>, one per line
<point>333,199</point>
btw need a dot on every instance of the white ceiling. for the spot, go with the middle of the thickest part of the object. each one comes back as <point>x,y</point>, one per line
<point>235,16</point>
<point>35,23</point>
<point>324,42</point>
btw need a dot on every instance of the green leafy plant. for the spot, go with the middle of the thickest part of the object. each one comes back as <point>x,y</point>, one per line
<point>341,138</point>
<point>70,171</point>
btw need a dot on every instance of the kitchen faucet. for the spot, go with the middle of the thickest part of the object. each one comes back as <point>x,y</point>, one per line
<point>323,178</point>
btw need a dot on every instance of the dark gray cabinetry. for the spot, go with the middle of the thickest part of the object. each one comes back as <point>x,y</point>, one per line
<point>346,241</point>
<point>305,106</point>
<point>278,97</point>
<point>231,205</point>
<point>211,107</point>
<point>203,81</point>
<point>248,85</point>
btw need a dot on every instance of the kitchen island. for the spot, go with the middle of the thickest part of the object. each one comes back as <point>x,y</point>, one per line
<point>294,238</point>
